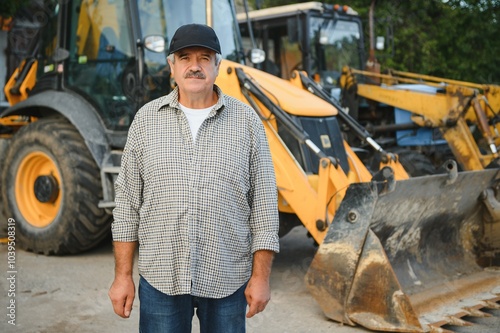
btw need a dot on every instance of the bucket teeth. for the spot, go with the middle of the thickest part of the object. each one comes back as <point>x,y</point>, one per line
<point>490,305</point>
<point>473,312</point>
<point>457,321</point>
<point>434,329</point>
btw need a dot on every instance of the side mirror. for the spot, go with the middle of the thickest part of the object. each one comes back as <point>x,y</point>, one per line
<point>155,43</point>
<point>256,56</point>
<point>380,43</point>
<point>60,55</point>
<point>323,37</point>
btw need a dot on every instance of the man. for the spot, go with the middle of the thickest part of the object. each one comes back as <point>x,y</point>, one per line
<point>197,192</point>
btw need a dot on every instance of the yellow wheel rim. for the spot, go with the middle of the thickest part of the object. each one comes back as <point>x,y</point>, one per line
<point>37,166</point>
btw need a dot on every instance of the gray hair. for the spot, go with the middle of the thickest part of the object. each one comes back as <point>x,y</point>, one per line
<point>218,58</point>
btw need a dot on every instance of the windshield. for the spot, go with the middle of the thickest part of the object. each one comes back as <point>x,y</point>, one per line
<point>334,44</point>
<point>226,27</point>
<point>163,17</point>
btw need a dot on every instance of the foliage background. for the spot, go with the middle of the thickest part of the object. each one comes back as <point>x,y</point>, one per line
<point>9,7</point>
<point>456,39</point>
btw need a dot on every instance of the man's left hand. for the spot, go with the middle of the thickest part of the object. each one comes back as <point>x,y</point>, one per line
<point>258,294</point>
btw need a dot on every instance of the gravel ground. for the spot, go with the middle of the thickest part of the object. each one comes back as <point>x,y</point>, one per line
<point>69,294</point>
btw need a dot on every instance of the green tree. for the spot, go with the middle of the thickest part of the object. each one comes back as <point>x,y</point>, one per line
<point>455,39</point>
<point>9,7</point>
<point>470,51</point>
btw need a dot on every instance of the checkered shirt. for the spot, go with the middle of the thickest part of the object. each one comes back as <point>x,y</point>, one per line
<point>198,209</point>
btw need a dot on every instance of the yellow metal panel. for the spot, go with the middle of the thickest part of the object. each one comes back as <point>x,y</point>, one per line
<point>24,87</point>
<point>294,100</point>
<point>434,106</point>
<point>464,147</point>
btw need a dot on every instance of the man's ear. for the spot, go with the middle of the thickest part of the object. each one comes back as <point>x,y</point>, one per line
<point>217,69</point>
<point>171,67</point>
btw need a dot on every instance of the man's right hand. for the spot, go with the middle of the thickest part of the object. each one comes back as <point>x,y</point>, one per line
<point>122,294</point>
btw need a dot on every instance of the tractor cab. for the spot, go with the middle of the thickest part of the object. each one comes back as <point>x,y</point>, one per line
<point>314,37</point>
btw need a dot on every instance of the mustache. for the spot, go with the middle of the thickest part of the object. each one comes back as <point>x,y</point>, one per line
<point>196,75</point>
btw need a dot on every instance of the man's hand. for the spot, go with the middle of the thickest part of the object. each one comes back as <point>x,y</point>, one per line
<point>122,291</point>
<point>122,294</point>
<point>258,294</point>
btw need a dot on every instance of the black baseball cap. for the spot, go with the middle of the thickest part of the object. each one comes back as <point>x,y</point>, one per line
<point>194,35</point>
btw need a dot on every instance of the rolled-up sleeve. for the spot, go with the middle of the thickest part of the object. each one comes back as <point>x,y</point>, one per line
<point>128,192</point>
<point>263,196</point>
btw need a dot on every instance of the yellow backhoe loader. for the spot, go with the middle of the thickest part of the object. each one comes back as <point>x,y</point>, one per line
<point>385,240</point>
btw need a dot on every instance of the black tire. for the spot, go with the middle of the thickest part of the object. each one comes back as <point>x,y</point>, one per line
<point>416,164</point>
<point>69,220</point>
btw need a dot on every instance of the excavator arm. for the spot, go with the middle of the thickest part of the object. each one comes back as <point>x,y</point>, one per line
<point>293,184</point>
<point>453,109</point>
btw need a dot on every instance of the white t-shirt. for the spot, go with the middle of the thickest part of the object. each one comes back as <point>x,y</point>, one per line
<point>195,118</point>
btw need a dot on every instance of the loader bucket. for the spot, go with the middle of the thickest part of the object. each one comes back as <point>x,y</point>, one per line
<point>412,258</point>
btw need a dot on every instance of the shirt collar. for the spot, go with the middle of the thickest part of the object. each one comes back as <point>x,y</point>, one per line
<point>172,99</point>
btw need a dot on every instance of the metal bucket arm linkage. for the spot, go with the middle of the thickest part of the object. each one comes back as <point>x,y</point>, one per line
<point>314,207</point>
<point>300,78</point>
<point>401,261</point>
<point>249,85</point>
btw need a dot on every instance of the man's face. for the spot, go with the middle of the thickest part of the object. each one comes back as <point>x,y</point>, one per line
<point>194,70</point>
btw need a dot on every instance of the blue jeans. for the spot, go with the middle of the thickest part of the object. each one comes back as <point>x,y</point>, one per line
<point>161,313</point>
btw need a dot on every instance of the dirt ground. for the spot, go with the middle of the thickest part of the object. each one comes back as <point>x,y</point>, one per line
<point>69,294</point>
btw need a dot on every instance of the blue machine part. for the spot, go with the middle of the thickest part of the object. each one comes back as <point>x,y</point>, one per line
<point>421,136</point>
